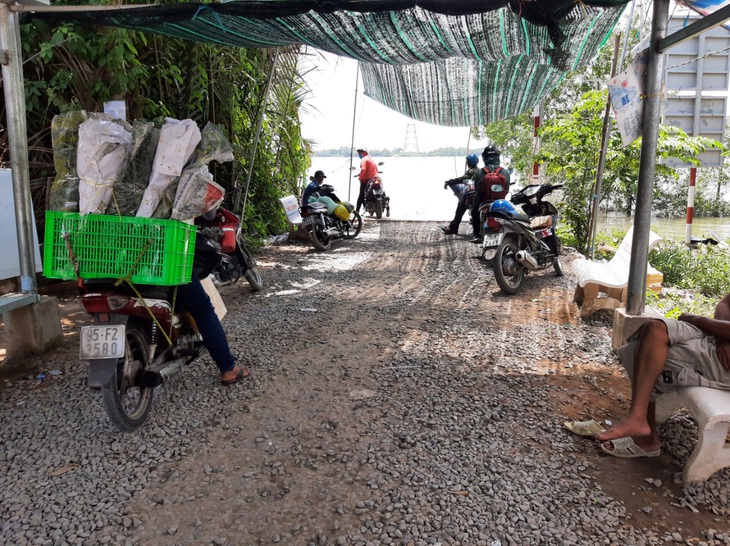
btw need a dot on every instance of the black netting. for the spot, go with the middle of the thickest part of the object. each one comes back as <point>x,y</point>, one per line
<point>450,62</point>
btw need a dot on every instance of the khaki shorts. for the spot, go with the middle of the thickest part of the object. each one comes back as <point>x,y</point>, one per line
<point>692,360</point>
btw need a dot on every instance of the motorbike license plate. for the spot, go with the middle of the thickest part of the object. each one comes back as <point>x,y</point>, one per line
<point>308,221</point>
<point>492,239</point>
<point>102,341</point>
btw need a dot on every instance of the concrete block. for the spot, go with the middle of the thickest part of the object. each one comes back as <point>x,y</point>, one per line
<point>33,329</point>
<point>624,324</point>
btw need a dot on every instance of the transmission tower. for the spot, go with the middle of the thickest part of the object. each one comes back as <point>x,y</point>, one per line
<point>411,143</point>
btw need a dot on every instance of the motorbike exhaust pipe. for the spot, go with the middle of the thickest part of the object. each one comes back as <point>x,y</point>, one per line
<point>526,259</point>
<point>153,378</point>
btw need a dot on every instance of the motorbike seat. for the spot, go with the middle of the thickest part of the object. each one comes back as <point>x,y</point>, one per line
<point>146,291</point>
<point>314,207</point>
<point>541,222</point>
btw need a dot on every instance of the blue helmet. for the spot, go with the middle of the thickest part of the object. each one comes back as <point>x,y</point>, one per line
<point>472,160</point>
<point>503,206</point>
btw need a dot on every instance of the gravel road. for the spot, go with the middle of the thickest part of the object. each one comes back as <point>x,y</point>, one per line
<point>397,398</point>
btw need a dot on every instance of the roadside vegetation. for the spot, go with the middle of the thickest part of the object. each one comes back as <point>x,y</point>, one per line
<point>70,67</point>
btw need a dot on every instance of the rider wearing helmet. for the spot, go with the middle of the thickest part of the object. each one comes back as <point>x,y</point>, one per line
<point>463,188</point>
<point>491,169</point>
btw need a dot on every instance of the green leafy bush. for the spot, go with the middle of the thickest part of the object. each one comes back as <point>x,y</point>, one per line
<point>705,269</point>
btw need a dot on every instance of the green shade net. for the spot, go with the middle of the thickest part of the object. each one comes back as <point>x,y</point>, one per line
<point>447,62</point>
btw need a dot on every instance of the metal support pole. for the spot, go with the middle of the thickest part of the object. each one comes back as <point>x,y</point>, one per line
<point>647,165</point>
<point>352,140</point>
<point>536,118</point>
<point>259,124</point>
<point>12,72</point>
<point>690,205</point>
<point>605,131</point>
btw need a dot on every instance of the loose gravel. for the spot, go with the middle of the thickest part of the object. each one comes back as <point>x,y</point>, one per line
<point>397,399</point>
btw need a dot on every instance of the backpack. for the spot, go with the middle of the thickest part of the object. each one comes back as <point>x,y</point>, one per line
<point>494,184</point>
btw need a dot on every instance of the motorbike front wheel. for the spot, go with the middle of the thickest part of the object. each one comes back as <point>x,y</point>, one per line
<point>320,239</point>
<point>355,221</point>
<point>249,263</point>
<point>558,266</point>
<point>508,272</point>
<point>127,401</point>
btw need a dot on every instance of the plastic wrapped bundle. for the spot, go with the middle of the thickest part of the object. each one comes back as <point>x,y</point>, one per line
<point>197,194</point>
<point>177,142</point>
<point>180,200</point>
<point>214,146</point>
<point>64,192</point>
<point>329,203</point>
<point>130,188</point>
<point>103,150</point>
<point>341,212</point>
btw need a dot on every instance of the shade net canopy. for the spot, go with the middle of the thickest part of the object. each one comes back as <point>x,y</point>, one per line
<point>446,62</point>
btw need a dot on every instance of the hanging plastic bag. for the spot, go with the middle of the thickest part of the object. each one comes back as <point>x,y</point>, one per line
<point>103,150</point>
<point>64,192</point>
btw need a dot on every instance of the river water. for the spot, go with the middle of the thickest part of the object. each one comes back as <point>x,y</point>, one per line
<point>415,186</point>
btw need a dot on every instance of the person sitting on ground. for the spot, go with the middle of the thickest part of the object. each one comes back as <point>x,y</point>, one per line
<point>368,171</point>
<point>492,185</point>
<point>313,187</point>
<point>463,188</point>
<point>663,356</point>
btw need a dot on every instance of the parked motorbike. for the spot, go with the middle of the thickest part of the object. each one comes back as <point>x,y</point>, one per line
<point>236,261</point>
<point>376,201</point>
<point>519,243</point>
<point>137,342</point>
<point>324,227</point>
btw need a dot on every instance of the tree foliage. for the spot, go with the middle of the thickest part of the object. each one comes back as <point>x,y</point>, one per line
<point>570,141</point>
<point>72,67</point>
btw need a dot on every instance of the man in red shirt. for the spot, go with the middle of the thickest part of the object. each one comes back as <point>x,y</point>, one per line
<point>368,171</point>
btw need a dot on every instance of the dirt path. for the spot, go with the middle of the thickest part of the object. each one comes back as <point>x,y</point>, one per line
<point>394,386</point>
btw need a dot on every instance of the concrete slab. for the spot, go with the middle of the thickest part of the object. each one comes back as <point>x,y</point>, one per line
<point>33,329</point>
<point>624,324</point>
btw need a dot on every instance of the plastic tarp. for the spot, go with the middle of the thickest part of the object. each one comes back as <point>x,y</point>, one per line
<point>448,62</point>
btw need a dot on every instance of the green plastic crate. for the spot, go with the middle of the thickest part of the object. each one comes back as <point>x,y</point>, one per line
<point>158,252</point>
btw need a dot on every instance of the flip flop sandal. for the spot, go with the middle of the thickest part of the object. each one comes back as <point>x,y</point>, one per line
<point>243,373</point>
<point>625,448</point>
<point>584,428</point>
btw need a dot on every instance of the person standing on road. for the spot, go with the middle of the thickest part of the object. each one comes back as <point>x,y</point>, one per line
<point>662,356</point>
<point>368,171</point>
<point>493,184</point>
<point>463,188</point>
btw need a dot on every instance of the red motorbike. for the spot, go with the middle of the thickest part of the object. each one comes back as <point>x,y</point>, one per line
<point>137,342</point>
<point>237,261</point>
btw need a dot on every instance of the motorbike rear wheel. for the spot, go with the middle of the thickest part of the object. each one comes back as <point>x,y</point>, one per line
<point>355,221</point>
<point>249,264</point>
<point>508,272</point>
<point>378,209</point>
<point>126,400</point>
<point>319,237</point>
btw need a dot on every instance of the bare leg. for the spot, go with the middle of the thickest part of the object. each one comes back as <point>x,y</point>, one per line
<point>651,355</point>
